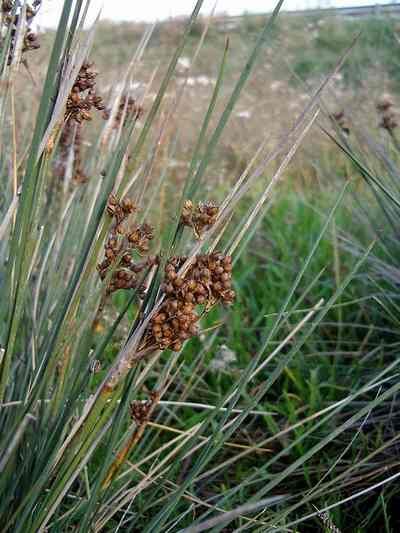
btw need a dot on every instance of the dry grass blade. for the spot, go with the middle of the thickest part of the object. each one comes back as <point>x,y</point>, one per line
<point>228,516</point>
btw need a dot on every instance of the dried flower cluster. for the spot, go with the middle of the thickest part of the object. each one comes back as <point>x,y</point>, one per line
<point>342,121</point>
<point>207,281</point>
<point>200,217</point>
<point>123,239</point>
<point>30,40</point>
<point>140,411</point>
<point>128,109</point>
<point>80,104</point>
<point>388,117</point>
<point>83,97</point>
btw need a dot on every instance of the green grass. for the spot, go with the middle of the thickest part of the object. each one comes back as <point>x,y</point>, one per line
<point>374,54</point>
<point>328,367</point>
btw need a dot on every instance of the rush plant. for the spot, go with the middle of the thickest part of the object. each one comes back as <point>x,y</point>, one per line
<point>82,440</point>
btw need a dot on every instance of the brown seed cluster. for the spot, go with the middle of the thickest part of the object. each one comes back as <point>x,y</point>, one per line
<point>128,109</point>
<point>139,237</point>
<point>385,108</point>
<point>207,281</point>
<point>140,411</point>
<point>342,121</point>
<point>30,41</point>
<point>80,103</point>
<point>83,97</point>
<point>123,239</point>
<point>200,217</point>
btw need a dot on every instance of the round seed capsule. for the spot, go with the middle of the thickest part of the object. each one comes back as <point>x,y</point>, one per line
<point>169,288</point>
<point>205,273</point>
<point>177,346</point>
<point>200,289</point>
<point>193,329</point>
<point>167,332</point>
<point>191,285</point>
<point>171,275</point>
<point>196,273</point>
<point>173,305</point>
<point>161,317</point>
<point>119,284</point>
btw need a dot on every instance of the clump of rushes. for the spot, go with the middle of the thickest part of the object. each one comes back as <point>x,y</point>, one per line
<point>81,102</point>
<point>30,39</point>
<point>385,108</point>
<point>124,239</point>
<point>200,217</point>
<point>128,109</point>
<point>208,281</point>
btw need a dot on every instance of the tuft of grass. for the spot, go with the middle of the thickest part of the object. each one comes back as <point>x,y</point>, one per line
<point>260,418</point>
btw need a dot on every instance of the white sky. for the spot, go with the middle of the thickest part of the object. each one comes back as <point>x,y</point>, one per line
<point>150,10</point>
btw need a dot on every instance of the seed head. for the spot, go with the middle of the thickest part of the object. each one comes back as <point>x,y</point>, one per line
<point>200,217</point>
<point>200,286</point>
<point>122,241</point>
